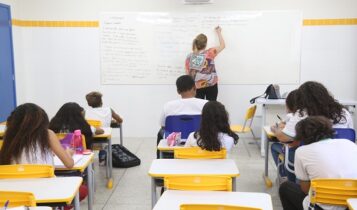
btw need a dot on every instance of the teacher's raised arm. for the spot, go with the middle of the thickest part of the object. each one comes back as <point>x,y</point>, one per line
<point>200,65</point>
<point>222,44</point>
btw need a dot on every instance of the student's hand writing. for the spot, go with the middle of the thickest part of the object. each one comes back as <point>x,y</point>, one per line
<point>281,125</point>
<point>273,128</point>
<point>218,29</point>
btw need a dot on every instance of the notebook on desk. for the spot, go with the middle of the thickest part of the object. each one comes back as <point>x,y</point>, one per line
<point>58,162</point>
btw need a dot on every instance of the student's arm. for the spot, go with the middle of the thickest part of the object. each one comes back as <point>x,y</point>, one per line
<point>282,137</point>
<point>191,140</point>
<point>305,186</point>
<point>116,117</point>
<point>64,155</point>
<point>222,44</point>
<point>301,171</point>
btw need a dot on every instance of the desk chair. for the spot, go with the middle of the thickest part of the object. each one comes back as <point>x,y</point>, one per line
<point>340,133</point>
<point>188,182</point>
<point>332,191</point>
<point>17,198</point>
<point>345,133</point>
<point>26,171</point>
<point>94,123</point>
<point>214,207</point>
<point>120,127</point>
<point>182,123</point>
<point>198,153</point>
<point>248,119</point>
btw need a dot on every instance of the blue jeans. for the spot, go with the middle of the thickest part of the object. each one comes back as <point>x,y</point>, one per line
<point>276,149</point>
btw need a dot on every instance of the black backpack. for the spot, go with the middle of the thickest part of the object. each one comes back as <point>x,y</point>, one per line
<point>272,92</point>
<point>123,158</point>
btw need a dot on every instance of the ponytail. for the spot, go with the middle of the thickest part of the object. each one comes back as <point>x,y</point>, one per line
<point>200,42</point>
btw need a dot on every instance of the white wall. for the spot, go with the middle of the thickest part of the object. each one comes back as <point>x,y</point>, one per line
<point>57,65</point>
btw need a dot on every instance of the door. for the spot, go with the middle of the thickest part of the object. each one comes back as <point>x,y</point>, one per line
<point>7,76</point>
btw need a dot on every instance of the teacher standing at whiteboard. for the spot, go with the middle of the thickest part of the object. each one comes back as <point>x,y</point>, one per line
<point>200,65</point>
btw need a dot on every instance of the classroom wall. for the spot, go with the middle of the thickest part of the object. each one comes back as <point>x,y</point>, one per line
<point>57,65</point>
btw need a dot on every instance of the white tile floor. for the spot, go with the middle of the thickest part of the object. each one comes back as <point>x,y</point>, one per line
<point>131,189</point>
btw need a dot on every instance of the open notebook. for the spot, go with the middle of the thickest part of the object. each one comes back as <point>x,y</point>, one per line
<point>58,162</point>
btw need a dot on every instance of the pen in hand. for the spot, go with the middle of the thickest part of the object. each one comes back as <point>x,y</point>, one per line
<point>279,117</point>
<point>6,204</point>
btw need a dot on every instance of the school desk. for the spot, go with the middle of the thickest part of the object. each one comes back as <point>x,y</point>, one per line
<point>172,199</point>
<point>164,147</point>
<point>278,107</point>
<point>165,167</point>
<point>47,191</point>
<point>81,165</point>
<point>106,137</point>
<point>352,203</point>
<point>269,134</point>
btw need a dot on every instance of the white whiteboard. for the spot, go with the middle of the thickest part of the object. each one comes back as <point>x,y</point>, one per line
<point>262,47</point>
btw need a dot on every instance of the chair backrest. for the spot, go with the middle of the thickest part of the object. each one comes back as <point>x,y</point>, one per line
<point>17,198</point>
<point>94,123</point>
<point>345,133</point>
<point>26,171</point>
<point>214,207</point>
<point>332,191</point>
<point>250,112</point>
<point>1,143</point>
<point>198,153</point>
<point>182,123</point>
<point>212,183</point>
<point>62,137</point>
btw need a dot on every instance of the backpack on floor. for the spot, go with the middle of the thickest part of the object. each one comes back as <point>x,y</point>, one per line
<point>123,158</point>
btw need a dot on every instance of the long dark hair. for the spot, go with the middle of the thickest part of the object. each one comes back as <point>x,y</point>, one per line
<point>27,131</point>
<point>313,129</point>
<point>215,119</point>
<point>314,99</point>
<point>70,117</point>
<point>291,101</point>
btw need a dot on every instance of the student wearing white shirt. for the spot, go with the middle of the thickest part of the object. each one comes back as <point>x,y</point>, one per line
<point>96,111</point>
<point>214,132</point>
<point>186,105</point>
<point>28,140</point>
<point>316,159</point>
<point>312,99</point>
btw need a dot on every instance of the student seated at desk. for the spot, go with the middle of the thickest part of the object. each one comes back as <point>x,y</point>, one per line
<point>29,141</point>
<point>214,132</point>
<point>186,105</point>
<point>320,156</point>
<point>70,117</point>
<point>277,148</point>
<point>96,111</point>
<point>106,115</point>
<point>312,99</point>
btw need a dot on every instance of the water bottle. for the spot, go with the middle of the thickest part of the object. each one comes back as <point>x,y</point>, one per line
<point>77,142</point>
